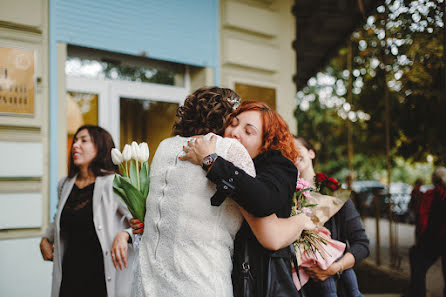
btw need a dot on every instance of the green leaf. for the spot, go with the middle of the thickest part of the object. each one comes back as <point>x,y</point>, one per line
<point>299,192</point>
<point>144,180</point>
<point>133,174</point>
<point>132,198</point>
<point>117,188</point>
<point>304,204</point>
<point>136,200</point>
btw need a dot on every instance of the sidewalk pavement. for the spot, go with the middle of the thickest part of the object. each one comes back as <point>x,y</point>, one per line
<point>382,295</point>
<point>386,280</point>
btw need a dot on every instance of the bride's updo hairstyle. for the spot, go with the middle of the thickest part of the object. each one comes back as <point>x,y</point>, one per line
<point>205,110</point>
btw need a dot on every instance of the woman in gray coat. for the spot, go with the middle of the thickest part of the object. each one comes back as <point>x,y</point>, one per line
<point>90,224</point>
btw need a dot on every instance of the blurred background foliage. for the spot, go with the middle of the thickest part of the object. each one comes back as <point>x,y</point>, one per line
<point>400,47</point>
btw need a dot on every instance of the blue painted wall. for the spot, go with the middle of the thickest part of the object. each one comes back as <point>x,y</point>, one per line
<point>182,31</point>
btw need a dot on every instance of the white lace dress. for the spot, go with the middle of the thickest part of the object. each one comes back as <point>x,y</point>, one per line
<point>187,244</point>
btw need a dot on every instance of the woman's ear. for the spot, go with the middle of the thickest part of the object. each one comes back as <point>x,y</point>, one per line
<point>311,154</point>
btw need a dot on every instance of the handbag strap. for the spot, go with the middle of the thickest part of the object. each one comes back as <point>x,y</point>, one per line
<point>247,281</point>
<point>296,266</point>
<point>245,264</point>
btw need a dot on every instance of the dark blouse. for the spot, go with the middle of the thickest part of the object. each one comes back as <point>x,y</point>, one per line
<point>271,191</point>
<point>346,226</point>
<point>83,263</point>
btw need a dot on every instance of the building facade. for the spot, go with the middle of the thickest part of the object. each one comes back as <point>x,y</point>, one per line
<point>123,65</point>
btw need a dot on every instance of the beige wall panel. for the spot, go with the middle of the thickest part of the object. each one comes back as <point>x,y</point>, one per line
<point>256,58</point>
<point>230,75</point>
<point>200,77</point>
<point>23,273</point>
<point>24,12</point>
<point>21,159</point>
<point>21,210</point>
<point>248,54</point>
<point>20,134</point>
<point>62,110</point>
<point>286,103</point>
<point>250,18</point>
<point>24,24</point>
<point>20,186</point>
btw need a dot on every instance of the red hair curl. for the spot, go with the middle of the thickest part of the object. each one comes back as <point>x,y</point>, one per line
<point>276,135</point>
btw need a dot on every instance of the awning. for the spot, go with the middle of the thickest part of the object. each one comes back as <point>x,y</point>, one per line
<point>322,27</point>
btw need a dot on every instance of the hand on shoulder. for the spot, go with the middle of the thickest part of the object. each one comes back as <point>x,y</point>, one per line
<point>198,148</point>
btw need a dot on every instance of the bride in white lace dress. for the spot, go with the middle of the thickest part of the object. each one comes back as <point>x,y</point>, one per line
<point>187,243</point>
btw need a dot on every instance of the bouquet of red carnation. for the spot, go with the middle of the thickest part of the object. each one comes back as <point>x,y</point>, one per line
<point>315,247</point>
<point>325,184</point>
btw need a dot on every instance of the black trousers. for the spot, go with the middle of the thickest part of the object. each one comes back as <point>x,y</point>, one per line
<point>421,259</point>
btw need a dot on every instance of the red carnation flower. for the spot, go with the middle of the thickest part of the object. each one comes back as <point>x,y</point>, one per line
<point>333,186</point>
<point>320,177</point>
<point>332,180</point>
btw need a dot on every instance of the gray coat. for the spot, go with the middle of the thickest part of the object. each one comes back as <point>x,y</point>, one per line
<point>110,216</point>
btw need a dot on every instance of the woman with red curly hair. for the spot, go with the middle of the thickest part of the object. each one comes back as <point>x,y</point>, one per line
<point>266,136</point>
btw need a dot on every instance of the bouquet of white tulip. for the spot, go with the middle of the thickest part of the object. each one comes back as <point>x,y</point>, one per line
<point>132,185</point>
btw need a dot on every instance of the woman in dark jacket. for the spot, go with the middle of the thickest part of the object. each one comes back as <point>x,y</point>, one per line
<point>266,137</point>
<point>344,226</point>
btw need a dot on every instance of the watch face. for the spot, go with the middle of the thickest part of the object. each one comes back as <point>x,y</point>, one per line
<point>208,160</point>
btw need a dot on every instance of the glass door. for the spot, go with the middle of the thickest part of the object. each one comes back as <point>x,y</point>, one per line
<point>84,101</point>
<point>82,109</point>
<point>143,112</point>
<point>133,98</point>
<point>146,120</point>
<point>130,111</point>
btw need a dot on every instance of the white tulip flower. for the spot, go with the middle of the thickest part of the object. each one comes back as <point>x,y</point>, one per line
<point>126,153</point>
<point>143,152</point>
<point>135,151</point>
<point>116,156</point>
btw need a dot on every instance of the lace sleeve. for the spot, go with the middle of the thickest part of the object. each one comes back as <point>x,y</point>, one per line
<point>239,156</point>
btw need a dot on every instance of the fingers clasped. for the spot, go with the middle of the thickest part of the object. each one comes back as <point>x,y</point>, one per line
<point>197,148</point>
<point>137,226</point>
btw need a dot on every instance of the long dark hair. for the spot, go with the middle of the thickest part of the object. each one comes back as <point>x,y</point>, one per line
<point>102,164</point>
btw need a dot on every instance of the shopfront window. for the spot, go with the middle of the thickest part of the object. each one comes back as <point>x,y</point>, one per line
<point>82,109</point>
<point>146,120</point>
<point>133,98</point>
<point>257,93</point>
<point>113,66</point>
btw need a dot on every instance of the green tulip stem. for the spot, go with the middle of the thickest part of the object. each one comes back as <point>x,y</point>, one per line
<point>127,168</point>
<point>122,167</point>
<point>137,174</point>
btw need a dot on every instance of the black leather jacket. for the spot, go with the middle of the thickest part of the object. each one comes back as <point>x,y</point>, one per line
<point>271,191</point>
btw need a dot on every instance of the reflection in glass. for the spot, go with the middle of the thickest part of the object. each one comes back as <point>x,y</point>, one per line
<point>250,92</point>
<point>82,109</point>
<point>146,120</point>
<point>115,70</point>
